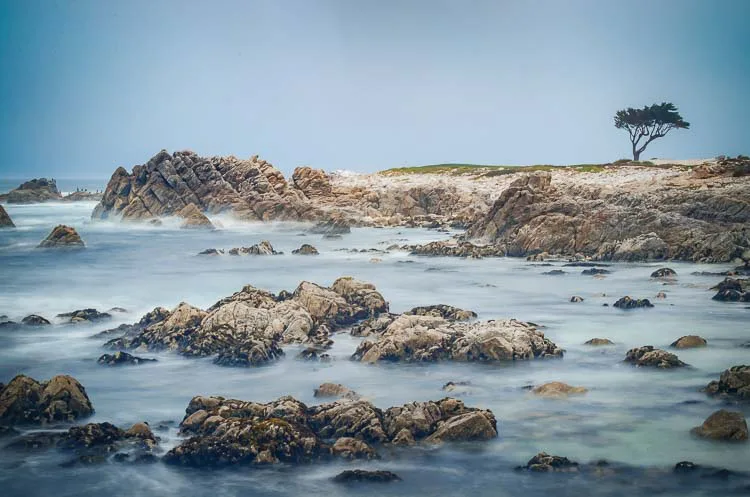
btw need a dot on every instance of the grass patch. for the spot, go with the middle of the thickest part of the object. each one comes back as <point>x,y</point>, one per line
<point>488,171</point>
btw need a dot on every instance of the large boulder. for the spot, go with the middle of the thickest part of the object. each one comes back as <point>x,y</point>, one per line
<point>723,425</point>
<point>426,338</point>
<point>305,249</point>
<point>689,342</point>
<point>733,290</point>
<point>630,303</point>
<point>31,192</point>
<point>557,389</point>
<point>5,220</point>
<point>26,401</point>
<point>62,237</point>
<point>734,384</point>
<point>251,188</point>
<point>193,218</point>
<point>648,356</point>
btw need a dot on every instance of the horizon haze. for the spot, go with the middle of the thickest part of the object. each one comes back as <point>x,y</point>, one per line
<point>363,86</point>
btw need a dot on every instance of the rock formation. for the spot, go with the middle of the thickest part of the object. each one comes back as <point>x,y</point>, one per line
<point>34,191</point>
<point>723,425</point>
<point>62,237</point>
<point>230,432</point>
<point>305,249</point>
<point>193,218</point>
<point>733,384</point>
<point>689,342</point>
<point>25,401</point>
<point>648,356</point>
<point>557,389</point>
<point>5,220</point>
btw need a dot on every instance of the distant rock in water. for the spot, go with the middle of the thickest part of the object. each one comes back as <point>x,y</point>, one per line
<point>336,225</point>
<point>733,290</point>
<point>335,390</point>
<point>599,342</point>
<point>262,248</point>
<point>212,251</point>
<point>689,342</point>
<point>62,237</point>
<point>26,401</point>
<point>5,220</point>
<point>544,463</point>
<point>648,356</point>
<point>34,320</point>
<point>34,191</point>
<point>193,218</point>
<point>595,271</point>
<point>84,315</point>
<point>252,188</point>
<point>361,475</point>
<point>305,249</point>
<point>121,358</point>
<point>455,248</point>
<point>557,389</point>
<point>630,303</point>
<point>664,272</point>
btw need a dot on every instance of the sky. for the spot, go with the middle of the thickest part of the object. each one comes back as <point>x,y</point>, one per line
<point>89,85</point>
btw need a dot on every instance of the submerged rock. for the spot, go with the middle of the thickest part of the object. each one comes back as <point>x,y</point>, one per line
<point>648,356</point>
<point>35,320</point>
<point>576,299</point>
<point>723,425</point>
<point>664,272</point>
<point>5,220</point>
<point>732,290</point>
<point>733,384</point>
<point>211,251</point>
<point>361,475</point>
<point>557,389</point>
<point>630,303</point>
<point>84,315</point>
<point>62,237</point>
<point>305,249</point>
<point>427,338</point>
<point>595,271</point>
<point>599,342</point>
<point>689,342</point>
<point>313,354</point>
<point>335,390</point>
<point>26,401</point>
<point>120,358</point>
<point>544,462</point>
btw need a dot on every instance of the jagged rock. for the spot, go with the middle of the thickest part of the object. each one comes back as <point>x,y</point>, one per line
<point>193,218</point>
<point>62,237</point>
<point>252,352</point>
<point>35,320</point>
<point>351,448</point>
<point>120,358</point>
<point>305,249</point>
<point>630,303</point>
<point>84,315</point>
<point>576,299</point>
<point>470,426</point>
<point>332,226</point>
<point>313,183</point>
<point>689,342</point>
<point>443,311</point>
<point>426,338</point>
<point>625,222</point>
<point>734,383</point>
<point>5,220</point>
<point>723,425</point>
<point>599,341</point>
<point>360,475</point>
<point>664,272</point>
<point>348,418</point>
<point>26,401</point>
<point>556,389</point>
<point>544,462</point>
<point>335,390</point>
<point>31,192</point>
<point>253,189</point>
<point>262,248</point>
<point>453,248</point>
<point>373,326</point>
<point>125,332</point>
<point>648,356</point>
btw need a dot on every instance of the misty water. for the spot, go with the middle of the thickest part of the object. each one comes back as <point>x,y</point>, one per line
<point>635,417</point>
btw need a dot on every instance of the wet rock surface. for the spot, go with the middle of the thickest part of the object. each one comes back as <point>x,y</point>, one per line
<point>62,237</point>
<point>723,425</point>
<point>649,356</point>
<point>25,401</point>
<point>360,475</point>
<point>598,342</point>
<point>631,303</point>
<point>5,220</point>
<point>733,384</point>
<point>305,249</point>
<point>122,358</point>
<point>557,389</point>
<point>733,290</point>
<point>689,342</point>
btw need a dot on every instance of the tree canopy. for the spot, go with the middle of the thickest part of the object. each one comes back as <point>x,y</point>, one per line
<point>649,123</point>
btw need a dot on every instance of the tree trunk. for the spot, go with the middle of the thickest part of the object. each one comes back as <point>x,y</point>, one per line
<point>636,155</point>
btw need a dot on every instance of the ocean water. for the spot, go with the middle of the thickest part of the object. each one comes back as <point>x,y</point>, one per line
<point>635,417</point>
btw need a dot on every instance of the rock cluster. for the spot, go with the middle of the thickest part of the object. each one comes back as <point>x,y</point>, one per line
<point>630,303</point>
<point>62,237</point>
<point>84,316</point>
<point>25,401</point>
<point>34,191</point>
<point>544,462</point>
<point>5,220</point>
<point>305,249</point>
<point>733,384</point>
<point>249,327</point>
<point>413,338</point>
<point>733,290</point>
<point>120,358</point>
<point>228,432</point>
<point>453,248</point>
<point>648,356</point>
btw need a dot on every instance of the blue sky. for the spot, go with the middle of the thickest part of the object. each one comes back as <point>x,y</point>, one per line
<point>87,85</point>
